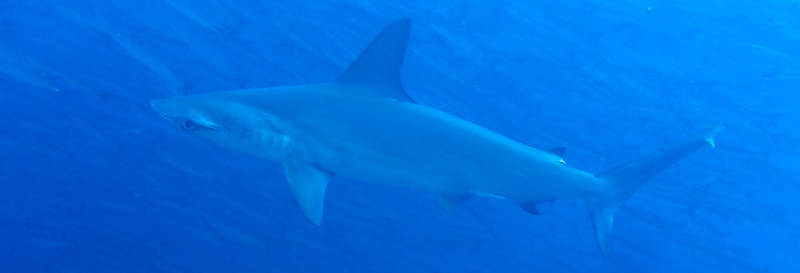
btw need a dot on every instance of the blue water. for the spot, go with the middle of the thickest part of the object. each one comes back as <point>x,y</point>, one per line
<point>92,180</point>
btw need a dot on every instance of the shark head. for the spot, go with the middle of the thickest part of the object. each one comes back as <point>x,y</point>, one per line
<point>228,124</point>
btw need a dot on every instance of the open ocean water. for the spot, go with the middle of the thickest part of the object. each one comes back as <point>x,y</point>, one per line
<point>93,180</point>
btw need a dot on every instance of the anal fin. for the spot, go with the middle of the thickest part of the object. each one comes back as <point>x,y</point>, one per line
<point>451,200</point>
<point>530,207</point>
<point>308,184</point>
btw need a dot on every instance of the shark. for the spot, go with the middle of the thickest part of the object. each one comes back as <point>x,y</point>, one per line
<point>363,126</point>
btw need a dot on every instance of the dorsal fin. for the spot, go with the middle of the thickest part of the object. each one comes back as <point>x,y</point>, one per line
<point>557,151</point>
<point>377,70</point>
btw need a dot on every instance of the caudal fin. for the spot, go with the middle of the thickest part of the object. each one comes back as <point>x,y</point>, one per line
<point>622,181</point>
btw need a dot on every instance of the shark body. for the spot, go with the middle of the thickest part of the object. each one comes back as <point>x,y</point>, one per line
<point>363,126</point>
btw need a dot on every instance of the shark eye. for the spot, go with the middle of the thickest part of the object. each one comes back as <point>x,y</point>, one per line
<point>188,124</point>
<point>192,125</point>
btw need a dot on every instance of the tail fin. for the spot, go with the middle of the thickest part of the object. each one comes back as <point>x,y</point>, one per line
<point>622,181</point>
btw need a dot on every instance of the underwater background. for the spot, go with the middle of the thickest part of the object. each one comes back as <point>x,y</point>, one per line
<point>93,180</point>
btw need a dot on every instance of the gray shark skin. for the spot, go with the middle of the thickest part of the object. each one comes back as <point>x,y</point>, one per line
<point>363,126</point>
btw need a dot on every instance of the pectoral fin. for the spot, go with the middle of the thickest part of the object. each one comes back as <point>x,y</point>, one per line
<point>308,184</point>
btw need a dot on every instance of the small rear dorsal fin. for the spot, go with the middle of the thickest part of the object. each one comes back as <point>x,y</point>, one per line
<point>557,151</point>
<point>376,72</point>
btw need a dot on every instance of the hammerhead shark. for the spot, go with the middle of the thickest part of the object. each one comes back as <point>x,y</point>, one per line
<point>363,126</point>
